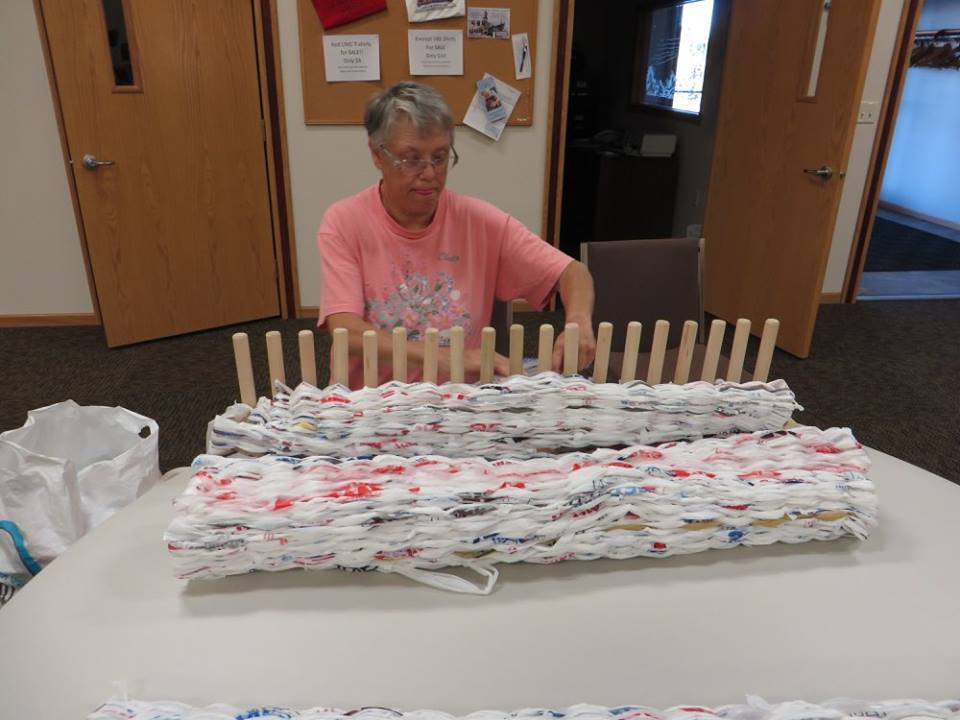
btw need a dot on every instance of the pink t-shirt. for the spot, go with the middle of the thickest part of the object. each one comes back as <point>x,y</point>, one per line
<point>445,275</point>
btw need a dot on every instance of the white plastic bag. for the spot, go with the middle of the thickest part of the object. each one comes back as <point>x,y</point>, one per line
<point>67,470</point>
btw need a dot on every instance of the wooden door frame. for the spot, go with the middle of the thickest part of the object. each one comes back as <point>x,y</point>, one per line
<point>558,103</point>
<point>267,39</point>
<point>893,93</point>
<point>266,28</point>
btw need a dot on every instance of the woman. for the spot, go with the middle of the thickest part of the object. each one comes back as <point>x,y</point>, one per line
<point>408,252</point>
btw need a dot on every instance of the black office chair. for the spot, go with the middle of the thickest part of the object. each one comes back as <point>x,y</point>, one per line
<point>501,320</point>
<point>646,281</point>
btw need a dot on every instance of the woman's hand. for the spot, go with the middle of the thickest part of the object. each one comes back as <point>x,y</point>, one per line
<point>586,350</point>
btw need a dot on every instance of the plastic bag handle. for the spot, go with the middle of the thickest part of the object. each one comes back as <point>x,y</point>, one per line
<point>10,527</point>
<point>452,583</point>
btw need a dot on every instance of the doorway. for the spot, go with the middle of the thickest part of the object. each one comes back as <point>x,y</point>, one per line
<point>167,114</point>
<point>792,74</point>
<point>642,107</point>
<point>914,246</point>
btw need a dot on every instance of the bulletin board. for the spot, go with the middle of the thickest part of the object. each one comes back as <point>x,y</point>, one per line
<point>342,103</point>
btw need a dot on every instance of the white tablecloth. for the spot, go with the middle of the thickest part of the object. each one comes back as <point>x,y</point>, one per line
<point>879,619</point>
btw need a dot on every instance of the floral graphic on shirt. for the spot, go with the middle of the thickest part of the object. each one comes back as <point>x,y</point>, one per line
<point>419,303</point>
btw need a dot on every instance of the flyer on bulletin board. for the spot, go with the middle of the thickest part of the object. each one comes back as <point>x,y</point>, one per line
<point>351,58</point>
<point>522,58</point>
<point>339,12</point>
<point>435,52</point>
<point>491,107</point>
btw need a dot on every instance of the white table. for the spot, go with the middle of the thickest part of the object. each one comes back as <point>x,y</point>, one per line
<point>879,619</point>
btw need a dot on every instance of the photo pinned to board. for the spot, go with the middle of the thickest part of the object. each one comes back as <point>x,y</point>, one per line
<point>522,57</point>
<point>426,10</point>
<point>491,107</point>
<point>492,104</point>
<point>488,23</point>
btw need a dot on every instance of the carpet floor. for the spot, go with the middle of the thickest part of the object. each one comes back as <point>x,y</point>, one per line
<point>896,247</point>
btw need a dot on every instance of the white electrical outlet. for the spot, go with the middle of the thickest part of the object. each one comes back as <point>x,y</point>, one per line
<point>869,112</point>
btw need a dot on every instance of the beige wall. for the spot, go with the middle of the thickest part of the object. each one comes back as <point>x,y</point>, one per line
<point>41,264</point>
<point>853,188</point>
<point>328,163</point>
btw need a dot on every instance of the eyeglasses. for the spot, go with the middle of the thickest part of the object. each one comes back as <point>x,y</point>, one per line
<point>415,166</point>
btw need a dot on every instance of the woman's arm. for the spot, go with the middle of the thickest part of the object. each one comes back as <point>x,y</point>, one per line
<point>576,291</point>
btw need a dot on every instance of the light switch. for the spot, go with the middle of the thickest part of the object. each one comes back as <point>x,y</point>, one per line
<point>869,112</point>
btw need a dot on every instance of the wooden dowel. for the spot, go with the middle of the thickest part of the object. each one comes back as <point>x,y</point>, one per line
<point>488,344</point>
<point>768,341</point>
<point>241,354</point>
<point>688,340</point>
<point>456,354</point>
<point>655,369</point>
<point>400,354</point>
<point>571,349</point>
<point>712,355</point>
<point>308,357</point>
<point>631,348</point>
<point>371,360</point>
<point>275,360</point>
<point>516,349</point>
<point>431,346</point>
<point>601,361</point>
<point>545,349</point>
<point>371,352</point>
<point>739,350</point>
<point>340,369</point>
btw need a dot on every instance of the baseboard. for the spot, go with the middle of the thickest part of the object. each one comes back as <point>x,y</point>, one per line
<point>892,207</point>
<point>831,297</point>
<point>44,320</point>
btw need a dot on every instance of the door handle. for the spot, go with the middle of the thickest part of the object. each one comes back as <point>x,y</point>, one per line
<point>824,171</point>
<point>90,162</point>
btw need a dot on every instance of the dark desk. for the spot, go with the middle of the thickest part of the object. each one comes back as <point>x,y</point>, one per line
<point>611,196</point>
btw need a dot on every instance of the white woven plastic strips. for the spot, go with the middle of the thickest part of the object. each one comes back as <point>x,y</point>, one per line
<point>417,515</point>
<point>755,709</point>
<point>518,417</point>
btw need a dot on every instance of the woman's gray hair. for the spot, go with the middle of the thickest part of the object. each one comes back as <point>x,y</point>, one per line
<point>423,106</point>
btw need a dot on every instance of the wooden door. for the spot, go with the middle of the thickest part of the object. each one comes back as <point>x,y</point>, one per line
<point>178,224</point>
<point>792,82</point>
